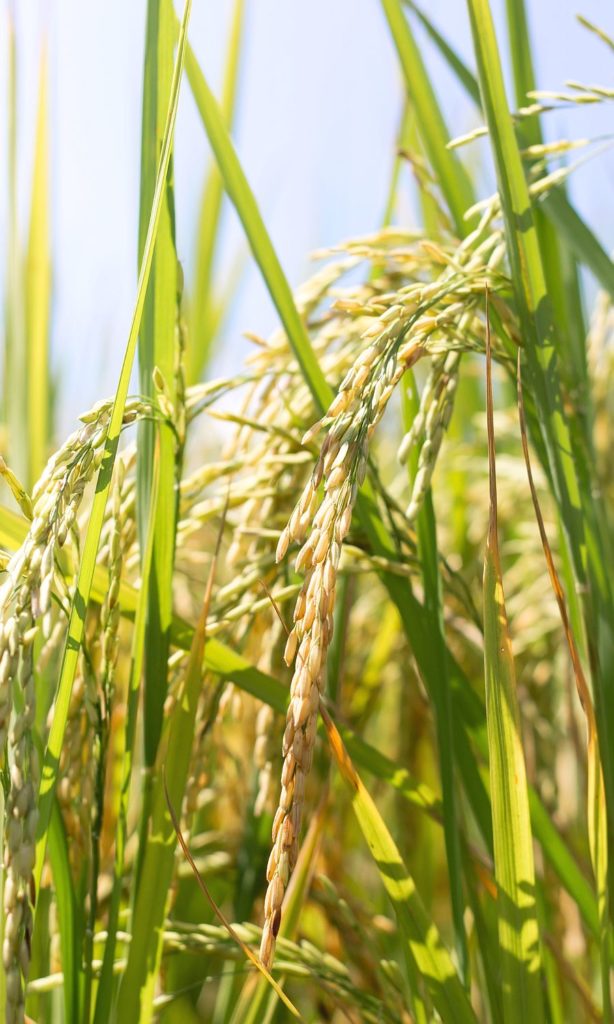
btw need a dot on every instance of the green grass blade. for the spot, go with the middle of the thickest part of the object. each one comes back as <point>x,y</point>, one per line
<point>580,239</point>
<point>514,869</point>
<point>242,197</point>
<point>597,833</point>
<point>38,291</point>
<point>104,996</point>
<point>137,987</point>
<point>428,552</point>
<point>561,275</point>
<point>559,856</point>
<point>466,77</point>
<point>483,906</point>
<point>597,823</point>
<point>524,255</point>
<point>469,712</point>
<point>421,940</point>
<point>205,314</point>
<point>157,349</point>
<point>13,529</point>
<point>88,561</point>
<point>451,176</point>
<point>69,918</point>
<point>522,62</point>
<point>393,187</point>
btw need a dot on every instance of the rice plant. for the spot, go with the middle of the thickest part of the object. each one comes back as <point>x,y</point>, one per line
<point>306,672</point>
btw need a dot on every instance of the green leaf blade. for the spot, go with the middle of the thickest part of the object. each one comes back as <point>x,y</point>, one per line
<point>205,315</point>
<point>513,842</point>
<point>422,941</point>
<point>87,566</point>
<point>243,199</point>
<point>157,349</point>
<point>38,291</point>
<point>450,173</point>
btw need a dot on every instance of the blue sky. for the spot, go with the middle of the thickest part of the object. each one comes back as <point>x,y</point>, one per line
<point>319,104</point>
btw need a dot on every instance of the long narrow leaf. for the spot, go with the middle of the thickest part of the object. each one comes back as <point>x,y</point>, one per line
<point>421,940</point>
<point>38,292</point>
<point>15,392</point>
<point>597,826</point>
<point>242,197</point>
<point>86,570</point>
<point>466,77</point>
<point>450,173</point>
<point>105,987</point>
<point>69,917</point>
<point>205,315</point>
<point>157,349</point>
<point>514,869</point>
<point>433,603</point>
<point>561,273</point>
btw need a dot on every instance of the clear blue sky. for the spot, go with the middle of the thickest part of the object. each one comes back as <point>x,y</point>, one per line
<point>319,104</point>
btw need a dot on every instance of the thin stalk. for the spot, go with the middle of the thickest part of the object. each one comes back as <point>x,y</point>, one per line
<point>38,291</point>
<point>105,987</point>
<point>433,605</point>
<point>15,390</point>
<point>156,351</point>
<point>519,951</point>
<point>206,314</point>
<point>76,622</point>
<point>92,913</point>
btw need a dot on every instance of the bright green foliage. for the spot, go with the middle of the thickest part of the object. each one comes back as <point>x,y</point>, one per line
<point>519,954</point>
<point>38,292</point>
<point>157,344</point>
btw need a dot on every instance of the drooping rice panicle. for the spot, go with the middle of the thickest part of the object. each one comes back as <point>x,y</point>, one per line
<point>26,601</point>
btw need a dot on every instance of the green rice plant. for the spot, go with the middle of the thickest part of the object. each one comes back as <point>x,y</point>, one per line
<point>280,608</point>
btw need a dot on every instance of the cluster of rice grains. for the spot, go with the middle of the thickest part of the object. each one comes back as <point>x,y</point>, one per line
<point>26,606</point>
<point>88,724</point>
<point>401,327</point>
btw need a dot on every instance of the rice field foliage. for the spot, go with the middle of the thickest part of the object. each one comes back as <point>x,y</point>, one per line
<point>306,672</point>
